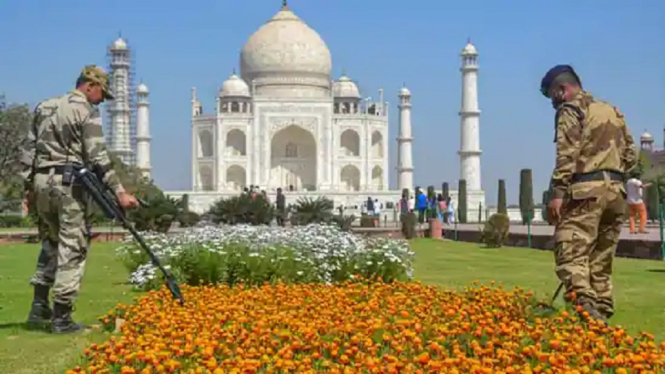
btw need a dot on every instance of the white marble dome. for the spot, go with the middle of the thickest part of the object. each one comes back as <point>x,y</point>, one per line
<point>286,55</point>
<point>470,49</point>
<point>119,43</point>
<point>646,137</point>
<point>346,88</point>
<point>142,89</point>
<point>234,86</point>
<point>404,92</point>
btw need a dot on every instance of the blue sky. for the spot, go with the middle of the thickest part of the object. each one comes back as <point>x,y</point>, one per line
<point>617,49</point>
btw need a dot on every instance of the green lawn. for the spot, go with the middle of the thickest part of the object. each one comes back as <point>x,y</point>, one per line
<point>449,264</point>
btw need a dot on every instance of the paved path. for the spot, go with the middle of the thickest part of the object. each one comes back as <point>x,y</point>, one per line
<point>653,232</point>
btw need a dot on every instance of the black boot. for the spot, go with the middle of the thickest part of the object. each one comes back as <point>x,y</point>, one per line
<point>41,313</point>
<point>594,313</point>
<point>62,319</point>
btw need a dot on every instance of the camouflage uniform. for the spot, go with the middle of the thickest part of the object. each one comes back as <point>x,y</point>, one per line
<point>67,130</point>
<point>594,150</point>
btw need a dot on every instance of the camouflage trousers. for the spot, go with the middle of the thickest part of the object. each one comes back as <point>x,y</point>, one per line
<point>586,239</point>
<point>61,262</point>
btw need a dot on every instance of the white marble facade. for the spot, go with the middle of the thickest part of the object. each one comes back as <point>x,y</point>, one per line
<point>283,123</point>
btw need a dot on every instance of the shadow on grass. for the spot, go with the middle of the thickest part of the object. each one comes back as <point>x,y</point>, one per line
<point>43,327</point>
<point>656,270</point>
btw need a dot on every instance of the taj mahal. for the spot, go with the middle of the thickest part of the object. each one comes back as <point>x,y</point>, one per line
<point>282,121</point>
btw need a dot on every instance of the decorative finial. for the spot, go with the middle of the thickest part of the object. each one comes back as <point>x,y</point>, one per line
<point>468,40</point>
<point>344,72</point>
<point>234,71</point>
<point>285,5</point>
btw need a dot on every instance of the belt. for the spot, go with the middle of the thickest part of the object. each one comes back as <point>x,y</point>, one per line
<point>598,175</point>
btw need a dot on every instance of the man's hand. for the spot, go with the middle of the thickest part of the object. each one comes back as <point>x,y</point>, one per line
<point>554,208</point>
<point>127,201</point>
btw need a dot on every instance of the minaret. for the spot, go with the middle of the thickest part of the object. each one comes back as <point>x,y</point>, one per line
<point>469,151</point>
<point>120,109</point>
<point>143,130</point>
<point>404,155</point>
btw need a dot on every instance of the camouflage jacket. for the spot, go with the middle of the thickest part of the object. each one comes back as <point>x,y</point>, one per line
<point>590,135</point>
<point>66,129</point>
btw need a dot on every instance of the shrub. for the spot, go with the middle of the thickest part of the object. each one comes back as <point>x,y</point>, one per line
<point>496,230</point>
<point>545,203</point>
<point>243,209</point>
<point>462,202</point>
<point>158,216</point>
<point>361,327</point>
<point>308,210</point>
<point>526,195</point>
<point>501,199</point>
<point>11,221</point>
<point>344,222</point>
<point>188,219</point>
<point>409,221</point>
<point>653,200</point>
<point>257,254</point>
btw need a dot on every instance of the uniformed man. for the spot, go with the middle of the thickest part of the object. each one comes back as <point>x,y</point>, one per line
<point>67,130</point>
<point>594,152</point>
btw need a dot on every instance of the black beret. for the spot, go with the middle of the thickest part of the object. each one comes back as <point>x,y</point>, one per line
<point>552,74</point>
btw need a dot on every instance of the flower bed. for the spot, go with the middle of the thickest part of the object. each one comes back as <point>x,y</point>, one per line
<point>360,327</point>
<point>257,254</point>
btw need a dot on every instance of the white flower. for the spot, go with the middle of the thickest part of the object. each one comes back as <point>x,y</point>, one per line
<point>324,249</point>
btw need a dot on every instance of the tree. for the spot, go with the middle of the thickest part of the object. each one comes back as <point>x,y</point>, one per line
<point>462,201</point>
<point>526,195</point>
<point>15,121</point>
<point>502,205</point>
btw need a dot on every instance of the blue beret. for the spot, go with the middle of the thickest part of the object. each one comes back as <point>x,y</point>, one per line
<point>552,74</point>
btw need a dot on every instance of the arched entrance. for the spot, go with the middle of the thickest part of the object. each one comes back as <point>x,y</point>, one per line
<point>293,159</point>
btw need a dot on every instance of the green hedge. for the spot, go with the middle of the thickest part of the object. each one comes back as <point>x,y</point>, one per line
<point>462,202</point>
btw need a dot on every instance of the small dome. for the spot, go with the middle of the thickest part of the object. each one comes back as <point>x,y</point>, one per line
<point>142,89</point>
<point>404,92</point>
<point>646,137</point>
<point>470,49</point>
<point>119,43</point>
<point>234,86</point>
<point>345,88</point>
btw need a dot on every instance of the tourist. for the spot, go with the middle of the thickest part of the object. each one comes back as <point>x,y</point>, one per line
<point>442,207</point>
<point>370,206</point>
<point>280,204</point>
<point>421,205</point>
<point>404,205</point>
<point>636,206</point>
<point>451,211</point>
<point>377,211</point>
